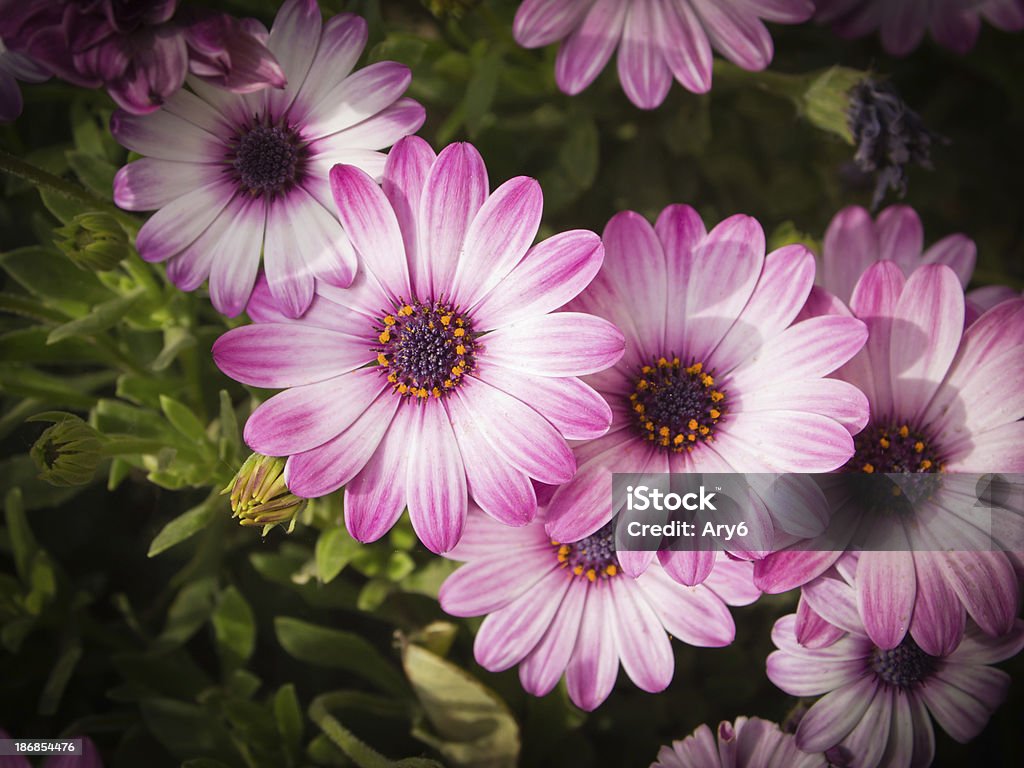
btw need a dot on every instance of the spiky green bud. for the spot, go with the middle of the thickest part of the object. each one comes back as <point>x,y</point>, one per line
<point>260,495</point>
<point>68,452</point>
<point>93,241</point>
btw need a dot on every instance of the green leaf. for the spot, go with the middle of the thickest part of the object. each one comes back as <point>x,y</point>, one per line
<point>102,317</point>
<point>48,273</point>
<point>338,650</point>
<point>183,420</point>
<point>60,675</point>
<point>32,345</point>
<point>474,727</point>
<point>229,442</point>
<point>192,607</point>
<point>23,543</point>
<point>28,382</point>
<point>186,524</point>
<point>288,715</point>
<point>176,340</point>
<point>334,550</point>
<point>234,628</point>
<point>481,89</point>
<point>94,172</point>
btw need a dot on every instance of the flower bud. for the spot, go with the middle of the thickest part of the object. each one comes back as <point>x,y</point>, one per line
<point>94,241</point>
<point>826,102</point>
<point>68,452</point>
<point>260,496</point>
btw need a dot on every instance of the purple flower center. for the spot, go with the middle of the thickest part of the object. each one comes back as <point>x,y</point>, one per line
<point>593,557</point>
<point>676,406</point>
<point>267,160</point>
<point>893,449</point>
<point>904,665</point>
<point>425,348</point>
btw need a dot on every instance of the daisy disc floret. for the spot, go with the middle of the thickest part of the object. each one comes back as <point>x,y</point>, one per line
<point>443,371</point>
<point>657,41</point>
<point>566,608</point>
<point>233,176</point>
<point>716,376</point>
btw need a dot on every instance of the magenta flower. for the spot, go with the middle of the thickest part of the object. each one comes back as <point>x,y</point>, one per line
<point>953,24</point>
<point>659,40</point>
<point>853,242</point>
<point>443,369</point>
<point>558,608</point>
<point>747,743</point>
<point>236,175</point>
<point>715,377</point>
<point>877,701</point>
<point>944,401</point>
<point>15,67</point>
<point>138,51</point>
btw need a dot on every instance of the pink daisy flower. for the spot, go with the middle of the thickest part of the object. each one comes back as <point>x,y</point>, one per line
<point>877,703</point>
<point>954,24</point>
<point>443,369</point>
<point>943,400</point>
<point>15,67</point>
<point>557,608</point>
<point>237,175</point>
<point>980,300</point>
<point>747,743</point>
<point>715,377</point>
<point>853,242</point>
<point>660,39</point>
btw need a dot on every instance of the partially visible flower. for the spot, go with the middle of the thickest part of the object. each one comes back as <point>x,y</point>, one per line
<point>138,51</point>
<point>94,241</point>
<point>656,40</point>
<point>236,176</point>
<point>444,370</point>
<point>260,495</point>
<point>716,377</point>
<point>946,409</point>
<point>747,743</point>
<point>876,701</point>
<point>980,300</point>
<point>89,758</point>
<point>853,242</point>
<point>15,67</point>
<point>953,24</point>
<point>68,452</point>
<point>889,136</point>
<point>567,608</point>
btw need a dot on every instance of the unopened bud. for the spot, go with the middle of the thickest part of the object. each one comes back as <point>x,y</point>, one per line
<point>826,102</point>
<point>260,495</point>
<point>68,452</point>
<point>94,241</point>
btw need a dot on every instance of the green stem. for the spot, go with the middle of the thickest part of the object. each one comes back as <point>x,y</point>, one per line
<point>776,83</point>
<point>45,180</point>
<point>117,445</point>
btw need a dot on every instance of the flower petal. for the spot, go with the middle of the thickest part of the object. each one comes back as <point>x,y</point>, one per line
<point>886,589</point>
<point>644,75</point>
<point>594,664</point>
<point>579,344</point>
<point>644,647</point>
<point>584,54</point>
<point>541,670</point>
<point>542,22</point>
<point>436,480</point>
<point>850,247</point>
<point>405,175</point>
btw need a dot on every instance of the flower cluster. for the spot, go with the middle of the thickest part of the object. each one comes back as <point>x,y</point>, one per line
<point>432,354</point>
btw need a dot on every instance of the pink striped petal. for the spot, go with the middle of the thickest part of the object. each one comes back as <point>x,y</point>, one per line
<point>341,43</point>
<point>812,630</point>
<point>498,238</point>
<point>644,647</point>
<point>559,344</point>
<point>405,175</point>
<point>870,736</point>
<point>811,676</point>
<point>959,714</point>
<point>488,585</point>
<point>680,230</point>
<point>436,480</point>
<point>552,272</point>
<point>585,53</point>
<point>508,635</point>
<point>958,252</point>
<point>378,131</point>
<point>287,355</point>
<point>736,33</point>
<point>886,589</point>
<point>789,441</point>
<point>836,399</point>
<point>789,569</point>
<point>293,41</point>
<point>684,44</point>
<point>986,585</point>
<point>594,664</point>
<point>690,566</point>
<point>301,418</point>
<point>850,247</point>
<point>500,489</point>
<point>375,498</point>
<point>939,617</point>
<point>326,468</point>
<point>903,26</point>
<point>151,183</point>
<point>518,433</point>
<point>167,137</point>
<point>176,226</point>
<point>900,237</point>
<point>454,192</point>
<point>694,615</point>
<point>542,22</point>
<point>644,75</point>
<point>541,670</point>
<point>370,222</point>
<point>833,716</point>
<point>358,97</point>
<point>236,259</point>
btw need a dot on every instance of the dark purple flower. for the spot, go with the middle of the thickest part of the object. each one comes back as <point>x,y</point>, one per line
<point>15,67</point>
<point>138,51</point>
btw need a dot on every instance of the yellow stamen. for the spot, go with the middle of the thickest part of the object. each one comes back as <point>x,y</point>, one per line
<point>715,413</point>
<point>384,337</point>
<point>693,424</point>
<point>904,431</point>
<point>382,359</point>
<point>869,468</point>
<point>611,570</point>
<point>389,320</point>
<point>926,464</point>
<point>459,332</point>
<point>591,575</point>
<point>918,447</point>
<point>884,443</point>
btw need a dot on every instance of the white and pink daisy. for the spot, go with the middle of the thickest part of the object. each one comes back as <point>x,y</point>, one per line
<point>443,371</point>
<point>716,377</point>
<point>854,241</point>
<point>236,175</point>
<point>878,703</point>
<point>557,608</point>
<point>953,24</point>
<point>747,743</point>
<point>945,402</point>
<point>658,40</point>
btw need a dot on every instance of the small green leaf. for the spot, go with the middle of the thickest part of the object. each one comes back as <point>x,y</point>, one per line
<point>60,674</point>
<point>47,272</point>
<point>185,525</point>
<point>102,317</point>
<point>176,340</point>
<point>94,172</point>
<point>192,608</point>
<point>481,89</point>
<point>334,550</point>
<point>23,543</point>
<point>183,420</point>
<point>338,650</point>
<point>234,627</point>
<point>288,715</point>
